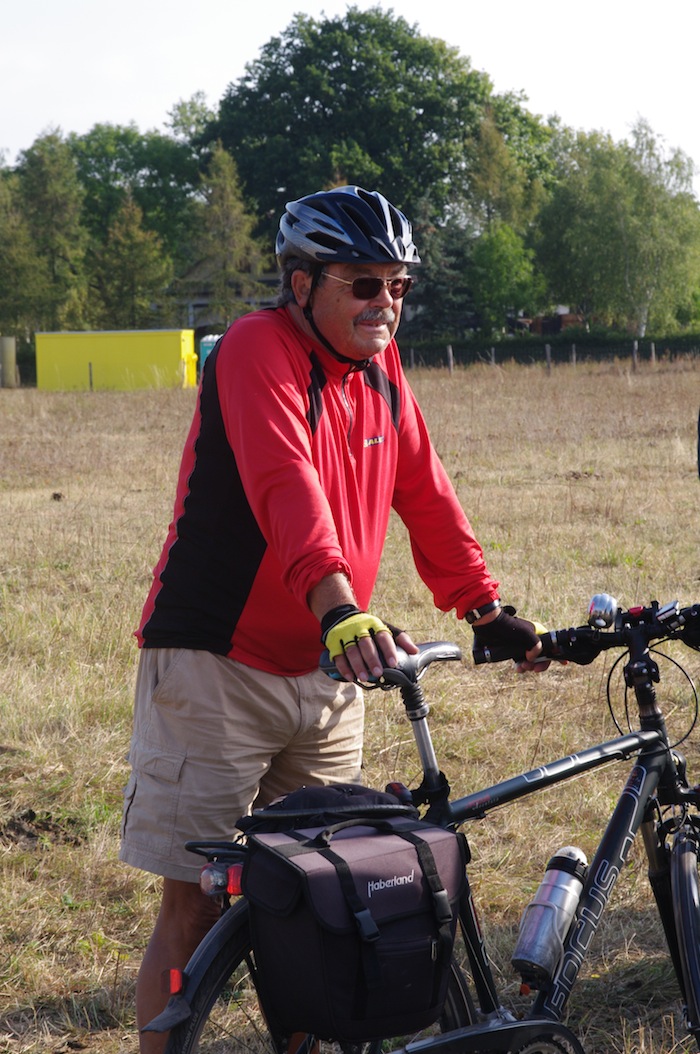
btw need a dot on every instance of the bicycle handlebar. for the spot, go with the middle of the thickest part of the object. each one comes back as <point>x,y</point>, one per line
<point>583,644</point>
<point>580,645</point>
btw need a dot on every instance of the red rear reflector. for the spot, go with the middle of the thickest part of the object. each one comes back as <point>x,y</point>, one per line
<point>636,611</point>
<point>172,981</point>
<point>234,880</point>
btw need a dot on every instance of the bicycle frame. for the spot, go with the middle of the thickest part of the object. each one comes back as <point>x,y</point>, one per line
<point>656,778</point>
<point>604,870</point>
<point>655,800</point>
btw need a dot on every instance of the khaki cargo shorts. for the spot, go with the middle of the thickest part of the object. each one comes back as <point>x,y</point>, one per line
<point>211,736</point>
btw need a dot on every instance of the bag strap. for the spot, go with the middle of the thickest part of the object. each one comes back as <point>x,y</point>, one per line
<point>366,926</point>
<point>441,900</point>
<point>365,923</point>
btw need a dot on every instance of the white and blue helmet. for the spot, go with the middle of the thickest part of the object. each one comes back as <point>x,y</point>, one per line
<point>346,225</point>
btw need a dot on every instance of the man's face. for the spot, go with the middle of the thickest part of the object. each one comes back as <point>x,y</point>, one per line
<point>357,328</point>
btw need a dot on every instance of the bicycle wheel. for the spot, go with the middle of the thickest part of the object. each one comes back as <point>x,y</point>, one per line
<point>685,888</point>
<point>226,1017</point>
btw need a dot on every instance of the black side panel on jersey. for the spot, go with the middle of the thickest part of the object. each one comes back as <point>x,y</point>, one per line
<point>219,547</point>
<point>375,378</point>
<point>315,393</point>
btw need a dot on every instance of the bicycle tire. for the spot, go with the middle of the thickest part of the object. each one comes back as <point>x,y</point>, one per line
<point>225,1016</point>
<point>685,886</point>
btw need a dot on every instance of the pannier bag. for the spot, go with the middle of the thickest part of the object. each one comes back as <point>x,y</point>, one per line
<point>353,924</point>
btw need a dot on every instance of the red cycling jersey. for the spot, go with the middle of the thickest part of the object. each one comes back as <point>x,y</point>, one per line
<point>293,462</point>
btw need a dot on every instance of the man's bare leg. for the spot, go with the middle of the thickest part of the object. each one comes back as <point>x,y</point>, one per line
<point>185,917</point>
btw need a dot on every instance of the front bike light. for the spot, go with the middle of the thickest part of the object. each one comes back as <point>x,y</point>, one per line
<point>217,878</point>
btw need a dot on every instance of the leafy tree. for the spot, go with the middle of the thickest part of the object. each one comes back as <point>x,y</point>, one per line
<point>619,238</point>
<point>362,98</point>
<point>531,141</point>
<point>189,118</point>
<point>131,273</point>
<point>51,201</point>
<point>441,303</point>
<point>498,184</point>
<point>228,256</point>
<point>160,174</point>
<point>503,277</point>
<point>24,276</point>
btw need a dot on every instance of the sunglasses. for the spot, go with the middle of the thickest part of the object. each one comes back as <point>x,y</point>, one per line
<point>368,287</point>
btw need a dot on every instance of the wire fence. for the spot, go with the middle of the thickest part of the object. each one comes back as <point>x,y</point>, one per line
<point>531,351</point>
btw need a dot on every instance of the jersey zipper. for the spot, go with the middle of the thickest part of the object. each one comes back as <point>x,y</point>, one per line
<point>346,403</point>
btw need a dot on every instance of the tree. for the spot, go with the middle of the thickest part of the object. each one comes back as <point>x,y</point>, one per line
<point>503,278</point>
<point>619,239</point>
<point>24,276</point>
<point>159,173</point>
<point>51,202</point>
<point>228,258</point>
<point>502,186</point>
<point>441,303</point>
<point>189,118</point>
<point>131,273</point>
<point>363,98</point>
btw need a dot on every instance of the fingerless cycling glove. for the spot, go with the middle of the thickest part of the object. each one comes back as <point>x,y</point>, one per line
<point>346,625</point>
<point>509,630</point>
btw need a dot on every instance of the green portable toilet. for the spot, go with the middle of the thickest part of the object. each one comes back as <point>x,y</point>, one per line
<point>206,345</point>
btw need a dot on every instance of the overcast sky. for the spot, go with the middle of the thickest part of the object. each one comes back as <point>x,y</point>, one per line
<point>598,65</point>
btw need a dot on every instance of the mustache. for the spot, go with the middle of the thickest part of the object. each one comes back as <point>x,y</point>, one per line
<point>387,315</point>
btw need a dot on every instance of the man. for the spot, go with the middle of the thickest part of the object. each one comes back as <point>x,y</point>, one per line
<point>304,436</point>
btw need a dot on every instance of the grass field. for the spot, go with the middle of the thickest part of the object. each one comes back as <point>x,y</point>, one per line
<point>576,481</point>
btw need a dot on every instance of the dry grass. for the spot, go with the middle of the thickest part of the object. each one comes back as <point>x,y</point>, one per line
<point>576,482</point>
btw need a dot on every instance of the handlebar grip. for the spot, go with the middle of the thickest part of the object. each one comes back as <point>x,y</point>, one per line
<point>566,645</point>
<point>501,652</point>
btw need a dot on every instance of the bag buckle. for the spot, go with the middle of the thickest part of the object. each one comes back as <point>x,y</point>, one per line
<point>366,925</point>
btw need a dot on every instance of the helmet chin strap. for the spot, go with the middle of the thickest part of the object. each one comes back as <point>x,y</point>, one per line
<point>362,364</point>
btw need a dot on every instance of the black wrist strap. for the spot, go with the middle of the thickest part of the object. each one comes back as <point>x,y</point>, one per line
<point>336,615</point>
<point>476,613</point>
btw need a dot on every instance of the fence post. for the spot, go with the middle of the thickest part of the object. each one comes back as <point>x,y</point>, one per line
<point>573,354</point>
<point>653,353</point>
<point>635,352</point>
<point>450,358</point>
<point>493,356</point>
<point>8,362</point>
<point>548,356</point>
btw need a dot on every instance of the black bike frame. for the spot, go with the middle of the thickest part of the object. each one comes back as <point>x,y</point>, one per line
<point>631,811</point>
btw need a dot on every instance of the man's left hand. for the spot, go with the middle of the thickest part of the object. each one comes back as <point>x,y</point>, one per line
<point>517,634</point>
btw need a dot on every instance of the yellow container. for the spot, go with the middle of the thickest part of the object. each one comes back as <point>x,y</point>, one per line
<point>116,360</point>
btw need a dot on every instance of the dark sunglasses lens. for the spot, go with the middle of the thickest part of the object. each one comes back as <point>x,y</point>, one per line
<point>400,286</point>
<point>368,288</point>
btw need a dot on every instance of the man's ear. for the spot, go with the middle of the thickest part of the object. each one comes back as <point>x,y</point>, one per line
<point>302,284</point>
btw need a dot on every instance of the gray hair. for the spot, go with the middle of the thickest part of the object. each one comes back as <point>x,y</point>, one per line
<point>288,265</point>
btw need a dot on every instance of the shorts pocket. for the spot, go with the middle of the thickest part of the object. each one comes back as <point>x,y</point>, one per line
<point>152,760</point>
<point>168,687</point>
<point>151,799</point>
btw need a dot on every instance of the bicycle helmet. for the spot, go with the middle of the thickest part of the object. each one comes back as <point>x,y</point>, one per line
<point>346,225</point>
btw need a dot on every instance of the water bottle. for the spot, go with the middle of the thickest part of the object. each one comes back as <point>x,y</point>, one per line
<point>548,916</point>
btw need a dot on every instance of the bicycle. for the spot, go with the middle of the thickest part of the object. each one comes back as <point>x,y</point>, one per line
<point>656,799</point>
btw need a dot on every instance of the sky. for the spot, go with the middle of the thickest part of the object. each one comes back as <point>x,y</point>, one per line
<point>71,64</point>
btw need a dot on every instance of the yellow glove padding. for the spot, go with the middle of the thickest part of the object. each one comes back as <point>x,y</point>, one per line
<point>351,629</point>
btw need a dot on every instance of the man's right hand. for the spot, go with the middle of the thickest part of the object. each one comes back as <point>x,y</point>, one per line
<point>360,644</point>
